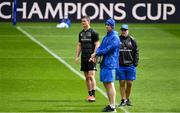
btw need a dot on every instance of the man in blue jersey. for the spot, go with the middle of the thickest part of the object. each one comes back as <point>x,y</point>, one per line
<point>109,50</point>
<point>128,60</point>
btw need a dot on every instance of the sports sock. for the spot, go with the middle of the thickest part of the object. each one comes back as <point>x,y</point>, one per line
<point>90,93</point>
<point>93,92</point>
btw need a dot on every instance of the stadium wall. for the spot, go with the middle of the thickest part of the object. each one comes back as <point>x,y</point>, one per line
<point>131,11</point>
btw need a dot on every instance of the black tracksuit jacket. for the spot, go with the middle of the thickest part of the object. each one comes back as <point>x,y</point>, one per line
<point>129,53</point>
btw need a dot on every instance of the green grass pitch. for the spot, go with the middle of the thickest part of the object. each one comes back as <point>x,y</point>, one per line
<point>32,80</point>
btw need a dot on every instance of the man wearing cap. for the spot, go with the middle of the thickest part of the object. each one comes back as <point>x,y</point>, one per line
<point>87,45</point>
<point>109,50</point>
<point>128,61</point>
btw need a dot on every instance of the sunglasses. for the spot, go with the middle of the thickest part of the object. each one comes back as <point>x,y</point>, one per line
<point>123,29</point>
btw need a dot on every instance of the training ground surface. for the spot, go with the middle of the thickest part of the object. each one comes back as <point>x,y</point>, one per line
<point>33,80</point>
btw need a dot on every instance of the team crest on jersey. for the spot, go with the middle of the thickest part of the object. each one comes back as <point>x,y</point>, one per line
<point>129,44</point>
<point>81,34</point>
<point>88,34</point>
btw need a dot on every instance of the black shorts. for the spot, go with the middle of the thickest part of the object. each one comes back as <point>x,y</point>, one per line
<point>87,66</point>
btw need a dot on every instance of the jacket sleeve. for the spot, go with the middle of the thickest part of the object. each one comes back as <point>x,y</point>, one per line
<point>135,53</point>
<point>111,45</point>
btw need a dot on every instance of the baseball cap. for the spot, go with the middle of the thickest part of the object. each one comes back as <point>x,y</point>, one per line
<point>110,22</point>
<point>124,26</point>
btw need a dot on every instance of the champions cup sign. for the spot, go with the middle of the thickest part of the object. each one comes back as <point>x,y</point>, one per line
<point>125,11</point>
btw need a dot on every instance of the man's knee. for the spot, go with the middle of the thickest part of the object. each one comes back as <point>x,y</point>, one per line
<point>129,83</point>
<point>88,78</point>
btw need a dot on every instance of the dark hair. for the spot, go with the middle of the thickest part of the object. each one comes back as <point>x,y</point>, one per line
<point>87,18</point>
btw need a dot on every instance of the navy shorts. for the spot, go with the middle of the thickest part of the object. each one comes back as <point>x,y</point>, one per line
<point>107,75</point>
<point>126,73</point>
<point>87,66</point>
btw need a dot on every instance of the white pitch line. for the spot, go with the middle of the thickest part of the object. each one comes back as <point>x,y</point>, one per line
<point>61,60</point>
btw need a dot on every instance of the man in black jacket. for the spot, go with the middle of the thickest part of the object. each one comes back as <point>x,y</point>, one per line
<point>128,61</point>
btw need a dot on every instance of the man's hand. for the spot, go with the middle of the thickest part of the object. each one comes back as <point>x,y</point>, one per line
<point>93,58</point>
<point>77,60</point>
